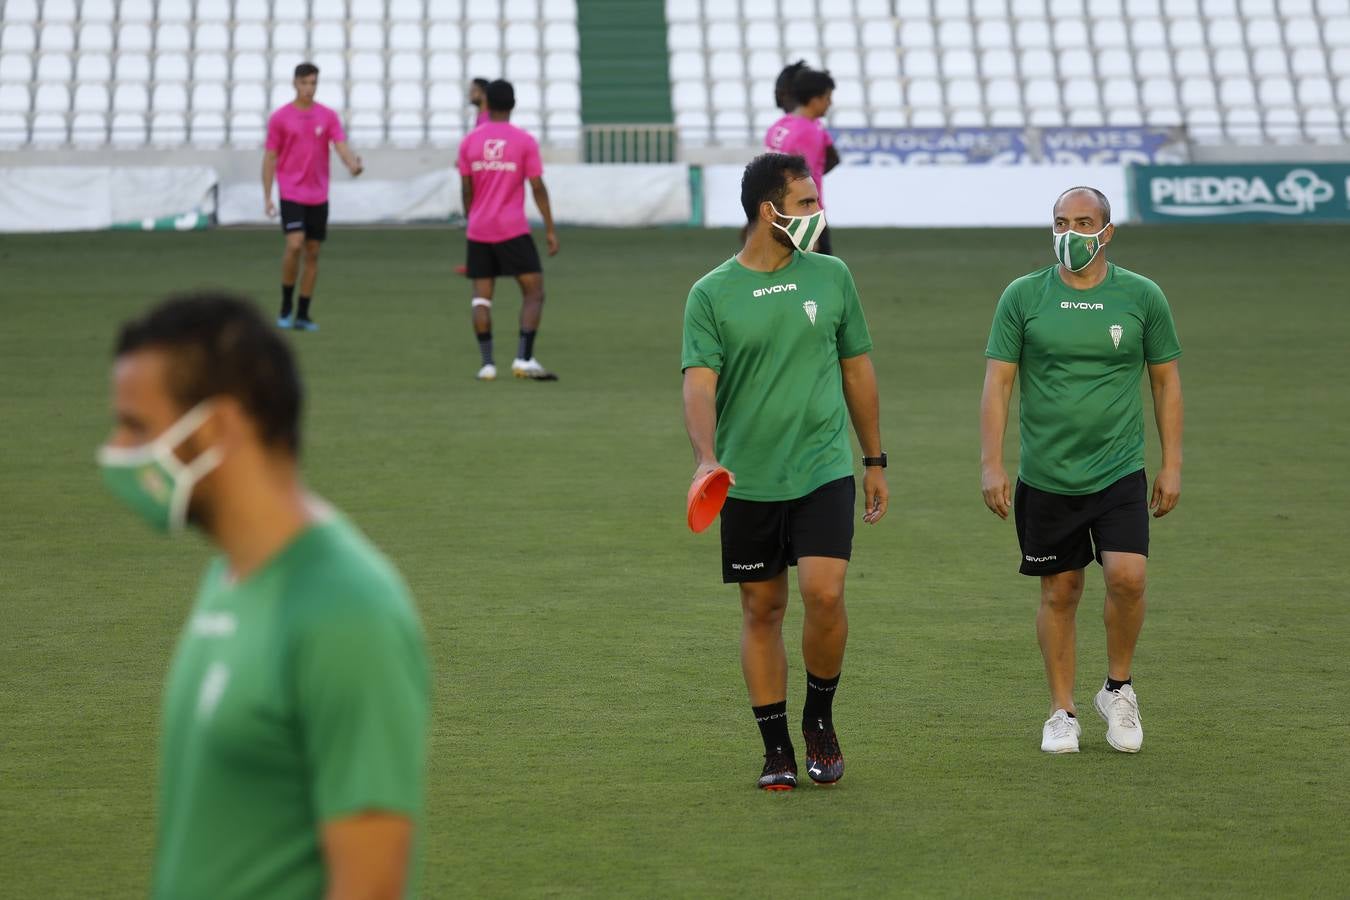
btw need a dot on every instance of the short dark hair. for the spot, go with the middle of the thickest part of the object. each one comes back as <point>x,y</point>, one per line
<point>766,178</point>
<point>1101,201</point>
<point>480,83</point>
<point>501,96</point>
<point>782,88</point>
<point>306,69</point>
<point>808,84</point>
<point>221,344</point>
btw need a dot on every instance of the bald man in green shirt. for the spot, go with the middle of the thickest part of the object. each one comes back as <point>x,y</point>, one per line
<point>1080,334</point>
<point>295,713</point>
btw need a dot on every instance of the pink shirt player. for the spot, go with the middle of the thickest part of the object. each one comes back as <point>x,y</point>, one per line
<point>499,158</point>
<point>300,138</point>
<point>803,137</point>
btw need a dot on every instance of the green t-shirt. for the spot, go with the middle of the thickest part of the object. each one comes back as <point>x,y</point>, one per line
<point>1080,356</point>
<point>296,697</point>
<point>775,339</point>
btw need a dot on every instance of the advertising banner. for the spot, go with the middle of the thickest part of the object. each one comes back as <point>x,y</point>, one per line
<point>1009,146</point>
<point>1296,192</point>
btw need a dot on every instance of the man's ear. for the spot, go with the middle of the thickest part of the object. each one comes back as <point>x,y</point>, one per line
<point>1109,234</point>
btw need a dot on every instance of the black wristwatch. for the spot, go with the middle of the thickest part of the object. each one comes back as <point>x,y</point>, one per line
<point>875,460</point>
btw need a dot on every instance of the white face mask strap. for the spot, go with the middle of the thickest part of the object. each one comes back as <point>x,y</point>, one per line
<point>188,423</point>
<point>188,476</point>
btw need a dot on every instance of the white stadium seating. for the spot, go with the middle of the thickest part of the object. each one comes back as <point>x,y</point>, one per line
<point>1232,71</point>
<point>208,72</point>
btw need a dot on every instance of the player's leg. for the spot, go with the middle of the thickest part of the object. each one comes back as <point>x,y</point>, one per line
<point>1121,533</point>
<point>522,260</point>
<point>764,665</point>
<point>481,266</point>
<point>754,557</point>
<point>820,534</point>
<point>316,232</point>
<point>309,276</point>
<point>1054,534</point>
<point>293,225</point>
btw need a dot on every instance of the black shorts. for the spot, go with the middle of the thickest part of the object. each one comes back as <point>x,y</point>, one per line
<point>1057,532</point>
<point>760,539</point>
<point>517,256</point>
<point>312,219</point>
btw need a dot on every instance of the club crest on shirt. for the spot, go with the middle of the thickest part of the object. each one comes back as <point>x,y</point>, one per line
<point>494,148</point>
<point>1116,333</point>
<point>318,130</point>
<point>810,307</point>
<point>780,134</point>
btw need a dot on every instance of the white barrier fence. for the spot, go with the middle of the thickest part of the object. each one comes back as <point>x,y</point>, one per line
<point>931,196</point>
<point>83,198</point>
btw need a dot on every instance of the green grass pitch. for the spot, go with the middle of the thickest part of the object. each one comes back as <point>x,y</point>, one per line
<point>591,732</point>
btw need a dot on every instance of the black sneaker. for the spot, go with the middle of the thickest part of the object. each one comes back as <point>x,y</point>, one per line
<point>780,770</point>
<point>824,759</point>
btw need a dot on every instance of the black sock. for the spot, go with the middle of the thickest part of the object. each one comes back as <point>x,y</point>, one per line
<point>1069,714</point>
<point>1113,685</point>
<point>304,307</point>
<point>819,698</point>
<point>485,346</point>
<point>773,726</point>
<point>526,349</point>
<point>287,292</point>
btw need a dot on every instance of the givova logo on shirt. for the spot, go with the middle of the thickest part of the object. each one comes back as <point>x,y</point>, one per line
<point>493,151</point>
<point>1074,304</point>
<point>774,289</point>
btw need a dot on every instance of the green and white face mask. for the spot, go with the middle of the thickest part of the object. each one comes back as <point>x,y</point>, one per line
<point>152,480</point>
<point>803,231</point>
<point>1076,250</point>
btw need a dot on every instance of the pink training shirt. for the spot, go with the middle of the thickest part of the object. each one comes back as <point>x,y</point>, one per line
<point>804,137</point>
<point>300,139</point>
<point>499,157</point>
<point>484,116</point>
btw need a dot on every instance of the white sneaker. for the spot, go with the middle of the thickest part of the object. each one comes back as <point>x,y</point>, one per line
<point>530,368</point>
<point>487,373</point>
<point>1060,734</point>
<point>1120,710</point>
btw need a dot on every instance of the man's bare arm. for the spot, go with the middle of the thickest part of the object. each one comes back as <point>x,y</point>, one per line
<point>1168,411</point>
<point>349,159</point>
<point>466,193</point>
<point>864,408</point>
<point>998,384</point>
<point>700,414</point>
<point>269,177</point>
<point>367,856</point>
<point>546,210</point>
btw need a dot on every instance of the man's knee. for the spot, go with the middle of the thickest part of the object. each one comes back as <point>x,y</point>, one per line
<point>295,244</point>
<point>824,601</point>
<point>763,604</point>
<point>1125,583</point>
<point>311,252</point>
<point>1061,593</point>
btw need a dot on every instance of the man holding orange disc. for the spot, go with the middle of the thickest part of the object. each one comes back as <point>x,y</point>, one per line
<point>775,361</point>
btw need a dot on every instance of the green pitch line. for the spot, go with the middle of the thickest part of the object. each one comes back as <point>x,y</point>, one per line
<point>592,737</point>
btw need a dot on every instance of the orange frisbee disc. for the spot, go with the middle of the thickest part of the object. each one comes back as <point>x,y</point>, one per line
<point>706,497</point>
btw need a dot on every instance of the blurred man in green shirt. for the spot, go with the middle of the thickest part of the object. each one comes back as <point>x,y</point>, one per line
<point>775,359</point>
<point>1081,333</point>
<point>295,712</point>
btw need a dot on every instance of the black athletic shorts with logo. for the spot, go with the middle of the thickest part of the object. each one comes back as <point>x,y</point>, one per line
<point>1057,532</point>
<point>312,219</point>
<point>518,256</point>
<point>761,539</point>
